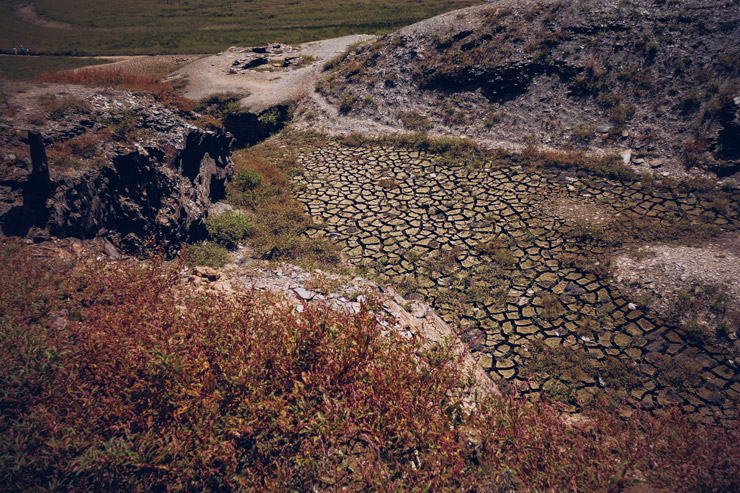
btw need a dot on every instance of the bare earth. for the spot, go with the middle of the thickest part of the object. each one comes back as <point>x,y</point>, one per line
<point>262,89</point>
<point>27,13</point>
<point>663,270</point>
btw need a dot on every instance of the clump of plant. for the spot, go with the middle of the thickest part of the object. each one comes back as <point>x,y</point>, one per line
<point>222,105</point>
<point>124,125</point>
<point>208,254</point>
<point>348,102</point>
<point>604,166</point>
<point>414,120</point>
<point>492,118</point>
<point>57,107</point>
<point>449,151</point>
<point>263,183</point>
<point>243,189</point>
<point>270,117</point>
<point>229,228</point>
<point>583,132</point>
<point>620,113</point>
<point>163,92</point>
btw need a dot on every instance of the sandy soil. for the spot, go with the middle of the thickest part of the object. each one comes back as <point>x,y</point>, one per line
<point>262,89</point>
<point>668,268</point>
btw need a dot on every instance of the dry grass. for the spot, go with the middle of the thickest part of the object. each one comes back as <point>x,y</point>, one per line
<point>111,77</point>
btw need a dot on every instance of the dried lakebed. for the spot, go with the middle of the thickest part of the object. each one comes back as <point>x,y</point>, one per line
<point>518,260</point>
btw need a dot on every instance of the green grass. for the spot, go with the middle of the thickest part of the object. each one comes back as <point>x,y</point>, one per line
<point>29,67</point>
<point>204,26</point>
<point>208,254</point>
<point>263,188</point>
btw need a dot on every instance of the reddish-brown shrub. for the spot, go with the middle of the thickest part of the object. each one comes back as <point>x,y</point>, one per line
<point>109,77</point>
<point>115,377</point>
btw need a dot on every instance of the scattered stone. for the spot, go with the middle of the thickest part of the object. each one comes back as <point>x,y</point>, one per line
<point>304,294</point>
<point>207,273</point>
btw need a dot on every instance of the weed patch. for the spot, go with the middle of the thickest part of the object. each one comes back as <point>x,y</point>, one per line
<point>229,228</point>
<point>263,186</point>
<point>107,77</point>
<point>110,387</point>
<point>207,253</point>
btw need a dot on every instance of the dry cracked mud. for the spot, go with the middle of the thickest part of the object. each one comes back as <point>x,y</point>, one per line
<point>518,260</point>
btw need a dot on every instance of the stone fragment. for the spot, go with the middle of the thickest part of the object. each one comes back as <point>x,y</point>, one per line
<point>207,273</point>
<point>485,361</point>
<point>304,294</point>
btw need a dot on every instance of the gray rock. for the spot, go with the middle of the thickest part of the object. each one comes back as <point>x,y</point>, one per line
<point>304,293</point>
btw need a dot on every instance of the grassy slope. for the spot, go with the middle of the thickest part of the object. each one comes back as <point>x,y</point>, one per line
<point>203,26</point>
<point>22,67</point>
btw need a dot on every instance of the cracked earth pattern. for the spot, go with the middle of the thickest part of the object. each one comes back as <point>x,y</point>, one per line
<point>498,252</point>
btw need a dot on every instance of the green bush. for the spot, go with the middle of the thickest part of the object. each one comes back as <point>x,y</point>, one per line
<point>247,180</point>
<point>222,105</point>
<point>229,228</point>
<point>270,117</point>
<point>207,254</point>
<point>242,189</point>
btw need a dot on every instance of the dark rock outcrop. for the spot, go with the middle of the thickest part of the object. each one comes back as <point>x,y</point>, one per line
<point>138,198</point>
<point>729,135</point>
<point>250,128</point>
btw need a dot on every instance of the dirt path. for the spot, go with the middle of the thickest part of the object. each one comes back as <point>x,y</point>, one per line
<point>27,13</point>
<point>262,88</point>
<point>149,65</point>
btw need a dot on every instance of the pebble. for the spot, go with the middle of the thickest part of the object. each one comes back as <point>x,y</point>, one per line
<point>304,293</point>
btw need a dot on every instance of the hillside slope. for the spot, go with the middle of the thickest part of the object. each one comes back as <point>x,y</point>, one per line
<point>659,77</point>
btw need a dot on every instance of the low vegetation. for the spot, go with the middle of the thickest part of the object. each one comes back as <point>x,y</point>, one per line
<point>106,386</point>
<point>23,67</point>
<point>263,188</point>
<point>207,253</point>
<point>229,228</point>
<point>206,26</point>
<point>450,151</point>
<point>109,77</point>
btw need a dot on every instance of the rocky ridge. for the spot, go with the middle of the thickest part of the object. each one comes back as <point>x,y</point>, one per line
<point>659,78</point>
<point>158,189</point>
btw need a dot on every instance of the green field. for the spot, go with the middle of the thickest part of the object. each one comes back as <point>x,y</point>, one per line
<point>200,26</point>
<point>28,67</point>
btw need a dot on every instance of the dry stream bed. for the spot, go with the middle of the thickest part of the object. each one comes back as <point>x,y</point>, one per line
<point>519,261</point>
